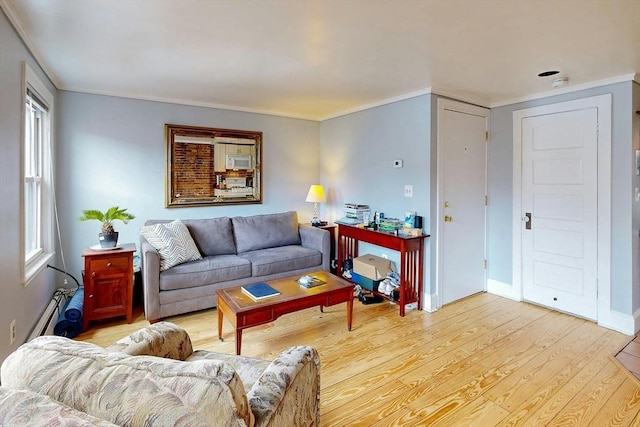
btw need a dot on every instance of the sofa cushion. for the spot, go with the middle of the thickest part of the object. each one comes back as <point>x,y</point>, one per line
<point>265,231</point>
<point>248,368</point>
<point>281,259</point>
<point>173,242</point>
<point>129,390</point>
<point>28,408</point>
<point>213,236</point>
<point>206,271</point>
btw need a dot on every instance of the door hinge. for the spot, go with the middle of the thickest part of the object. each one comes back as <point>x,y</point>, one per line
<point>486,200</point>
<point>486,136</point>
<point>485,264</point>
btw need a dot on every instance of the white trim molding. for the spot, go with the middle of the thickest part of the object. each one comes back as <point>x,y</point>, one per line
<point>429,302</point>
<point>605,315</point>
<point>627,324</point>
<point>17,24</point>
<point>568,89</point>
<point>502,289</point>
<point>444,104</point>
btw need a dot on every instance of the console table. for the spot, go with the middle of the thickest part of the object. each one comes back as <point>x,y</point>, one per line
<point>411,257</point>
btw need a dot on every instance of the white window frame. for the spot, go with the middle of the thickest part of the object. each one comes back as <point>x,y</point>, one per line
<point>37,259</point>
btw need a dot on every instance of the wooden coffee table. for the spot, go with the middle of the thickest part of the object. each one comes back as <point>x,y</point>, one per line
<point>243,312</point>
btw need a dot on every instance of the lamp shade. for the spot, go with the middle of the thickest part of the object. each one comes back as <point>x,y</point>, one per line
<point>316,194</point>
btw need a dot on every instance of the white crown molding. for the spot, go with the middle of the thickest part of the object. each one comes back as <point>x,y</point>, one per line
<point>568,89</point>
<point>380,103</point>
<point>188,102</point>
<point>17,24</point>
<point>464,99</point>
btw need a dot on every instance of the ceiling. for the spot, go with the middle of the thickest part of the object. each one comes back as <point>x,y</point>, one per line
<point>318,59</point>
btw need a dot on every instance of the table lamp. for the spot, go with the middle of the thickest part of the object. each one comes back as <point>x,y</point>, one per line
<point>316,195</point>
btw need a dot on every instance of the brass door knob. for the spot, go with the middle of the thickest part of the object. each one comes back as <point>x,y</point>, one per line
<point>447,218</point>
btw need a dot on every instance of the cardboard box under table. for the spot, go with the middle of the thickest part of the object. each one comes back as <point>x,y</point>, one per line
<point>369,270</point>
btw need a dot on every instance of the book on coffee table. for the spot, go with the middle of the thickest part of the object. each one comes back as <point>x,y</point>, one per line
<point>259,291</point>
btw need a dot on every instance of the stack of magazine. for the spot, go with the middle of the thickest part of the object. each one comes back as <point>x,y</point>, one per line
<point>353,214</point>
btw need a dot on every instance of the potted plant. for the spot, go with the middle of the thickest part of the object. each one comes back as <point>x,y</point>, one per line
<point>109,237</point>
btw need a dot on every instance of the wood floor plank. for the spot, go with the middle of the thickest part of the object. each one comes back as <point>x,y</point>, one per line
<point>479,412</point>
<point>622,406</point>
<point>549,399</point>
<point>518,388</point>
<point>436,355</point>
<point>585,404</point>
<point>450,388</point>
<point>483,360</point>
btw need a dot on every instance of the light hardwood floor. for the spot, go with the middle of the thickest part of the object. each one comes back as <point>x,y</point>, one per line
<point>484,361</point>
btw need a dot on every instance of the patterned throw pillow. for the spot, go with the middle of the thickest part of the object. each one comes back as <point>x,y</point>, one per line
<point>173,242</point>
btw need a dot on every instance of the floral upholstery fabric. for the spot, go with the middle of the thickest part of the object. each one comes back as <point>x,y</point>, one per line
<point>27,408</point>
<point>288,391</point>
<point>126,384</point>
<point>285,392</point>
<point>129,390</point>
<point>162,339</point>
<point>248,368</point>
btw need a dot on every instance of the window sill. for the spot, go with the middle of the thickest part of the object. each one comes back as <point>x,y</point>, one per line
<point>35,267</point>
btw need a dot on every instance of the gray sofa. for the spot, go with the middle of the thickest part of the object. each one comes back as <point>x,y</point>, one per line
<point>236,251</point>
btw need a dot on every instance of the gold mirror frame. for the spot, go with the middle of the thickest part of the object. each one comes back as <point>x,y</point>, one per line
<point>211,167</point>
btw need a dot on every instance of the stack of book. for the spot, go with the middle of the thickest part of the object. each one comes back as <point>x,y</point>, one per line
<point>354,214</point>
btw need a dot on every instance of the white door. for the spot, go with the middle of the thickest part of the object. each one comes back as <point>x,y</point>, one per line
<point>559,210</point>
<point>462,159</point>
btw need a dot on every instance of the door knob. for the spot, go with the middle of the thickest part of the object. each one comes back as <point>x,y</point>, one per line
<point>447,218</point>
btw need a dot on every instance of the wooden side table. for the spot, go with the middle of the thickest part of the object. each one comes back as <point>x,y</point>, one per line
<point>411,258</point>
<point>108,283</point>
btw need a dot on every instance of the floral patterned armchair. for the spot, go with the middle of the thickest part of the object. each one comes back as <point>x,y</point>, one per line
<point>154,378</point>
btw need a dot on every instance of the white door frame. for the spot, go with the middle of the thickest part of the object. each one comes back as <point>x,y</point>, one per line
<point>448,104</point>
<point>605,316</point>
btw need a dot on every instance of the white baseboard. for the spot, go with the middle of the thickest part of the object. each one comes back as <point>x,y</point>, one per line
<point>502,289</point>
<point>628,324</point>
<point>429,303</point>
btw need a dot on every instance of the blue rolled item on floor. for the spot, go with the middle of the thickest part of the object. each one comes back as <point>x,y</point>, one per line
<point>67,328</point>
<point>70,328</point>
<point>73,311</point>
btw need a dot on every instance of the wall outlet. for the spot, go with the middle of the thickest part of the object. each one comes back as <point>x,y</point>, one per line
<point>12,331</point>
<point>408,191</point>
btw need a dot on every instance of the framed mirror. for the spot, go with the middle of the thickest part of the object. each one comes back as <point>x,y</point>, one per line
<point>209,166</point>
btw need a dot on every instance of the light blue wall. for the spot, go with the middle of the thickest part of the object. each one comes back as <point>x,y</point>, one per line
<point>357,153</point>
<point>501,183</point>
<point>16,302</point>
<point>111,151</point>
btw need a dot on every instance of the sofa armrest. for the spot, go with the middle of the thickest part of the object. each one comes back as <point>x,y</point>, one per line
<point>150,279</point>
<point>162,339</point>
<point>318,239</point>
<point>288,391</point>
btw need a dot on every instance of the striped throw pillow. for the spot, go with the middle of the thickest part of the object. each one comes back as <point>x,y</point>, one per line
<point>173,243</point>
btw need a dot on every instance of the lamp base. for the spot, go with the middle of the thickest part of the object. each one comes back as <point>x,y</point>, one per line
<point>317,223</point>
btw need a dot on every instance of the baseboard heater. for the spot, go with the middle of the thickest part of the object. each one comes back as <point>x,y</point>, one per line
<point>52,313</point>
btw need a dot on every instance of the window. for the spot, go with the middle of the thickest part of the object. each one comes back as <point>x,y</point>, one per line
<point>37,189</point>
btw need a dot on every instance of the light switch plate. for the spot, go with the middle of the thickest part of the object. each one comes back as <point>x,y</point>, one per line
<point>397,163</point>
